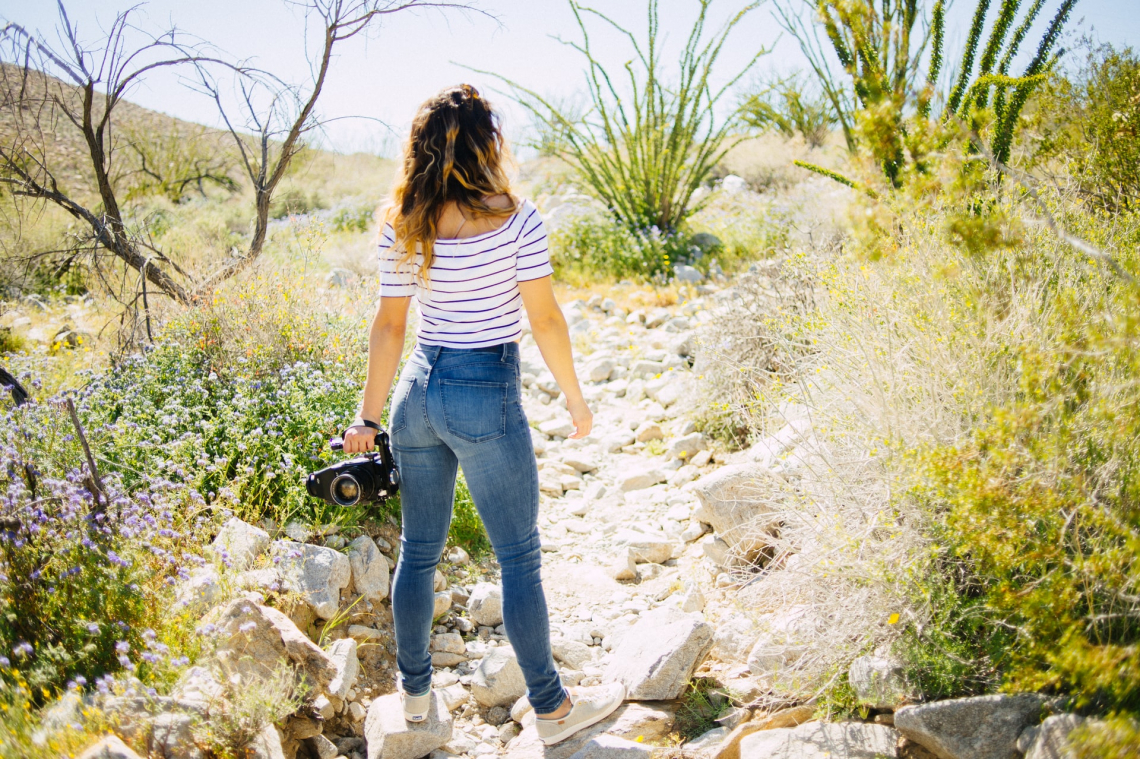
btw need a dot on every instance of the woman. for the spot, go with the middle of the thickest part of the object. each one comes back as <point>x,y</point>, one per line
<point>472,254</point>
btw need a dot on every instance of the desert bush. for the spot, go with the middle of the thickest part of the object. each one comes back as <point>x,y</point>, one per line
<point>786,106</point>
<point>591,244</point>
<point>87,563</point>
<point>883,100</point>
<point>1086,128</point>
<point>466,528</point>
<point>644,152</point>
<point>970,475</point>
<point>238,399</point>
<point>244,707</point>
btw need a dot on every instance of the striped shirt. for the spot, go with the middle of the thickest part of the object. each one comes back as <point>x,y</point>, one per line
<point>472,299</point>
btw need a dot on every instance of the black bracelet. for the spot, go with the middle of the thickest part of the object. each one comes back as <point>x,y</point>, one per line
<point>369,423</point>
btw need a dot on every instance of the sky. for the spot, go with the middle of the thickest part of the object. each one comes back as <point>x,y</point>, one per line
<point>385,75</point>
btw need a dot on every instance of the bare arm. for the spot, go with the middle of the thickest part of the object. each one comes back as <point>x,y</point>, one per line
<point>385,345</point>
<point>548,326</point>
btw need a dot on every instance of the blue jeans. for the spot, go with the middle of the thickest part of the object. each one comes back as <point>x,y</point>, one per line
<point>462,407</point>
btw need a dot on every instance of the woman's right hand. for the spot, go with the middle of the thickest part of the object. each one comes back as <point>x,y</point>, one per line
<point>359,439</point>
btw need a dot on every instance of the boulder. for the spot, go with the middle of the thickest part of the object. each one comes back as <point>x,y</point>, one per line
<point>450,643</point>
<point>1052,738</point>
<point>454,696</point>
<point>715,550</point>
<point>822,740</point>
<point>706,742</point>
<point>685,446</point>
<point>599,370</point>
<point>733,639</point>
<point>485,606</point>
<point>268,744</point>
<point>648,431</point>
<point>197,684</point>
<point>369,569</point>
<point>729,748</point>
<point>342,654</point>
<point>646,723</point>
<point>735,500</point>
<point>612,747</point>
<point>878,681</point>
<point>252,640</point>
<point>574,654</point>
<point>982,727</point>
<point>658,654</point>
<point>172,736</point>
<point>315,573</point>
<point>498,680</point>
<point>201,591</point>
<point>781,640</point>
<point>390,736</point>
<point>641,479</point>
<point>674,390</point>
<point>557,428</point>
<point>442,604</point>
<point>240,542</point>
<point>645,548</point>
<point>322,748</point>
<point>109,747</point>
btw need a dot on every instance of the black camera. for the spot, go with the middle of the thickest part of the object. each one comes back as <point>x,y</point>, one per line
<point>371,478</point>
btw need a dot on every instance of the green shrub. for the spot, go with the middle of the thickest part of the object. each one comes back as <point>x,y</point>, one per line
<point>785,106</point>
<point>357,219</point>
<point>1089,126</point>
<point>294,201</point>
<point>1115,737</point>
<point>10,342</point>
<point>466,527</point>
<point>592,244</point>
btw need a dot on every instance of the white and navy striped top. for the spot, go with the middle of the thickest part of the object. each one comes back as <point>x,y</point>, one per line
<point>472,299</point>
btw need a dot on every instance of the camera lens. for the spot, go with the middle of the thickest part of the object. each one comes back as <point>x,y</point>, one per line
<point>345,490</point>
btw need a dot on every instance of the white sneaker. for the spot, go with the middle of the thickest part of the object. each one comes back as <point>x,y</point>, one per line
<point>585,710</point>
<point>416,707</point>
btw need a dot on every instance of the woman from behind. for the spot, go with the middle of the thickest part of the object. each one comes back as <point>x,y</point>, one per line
<point>473,255</point>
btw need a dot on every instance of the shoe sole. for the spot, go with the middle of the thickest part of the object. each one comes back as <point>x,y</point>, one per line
<point>583,725</point>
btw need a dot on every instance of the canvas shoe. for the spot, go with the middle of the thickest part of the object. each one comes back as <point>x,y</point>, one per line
<point>585,710</point>
<point>416,707</point>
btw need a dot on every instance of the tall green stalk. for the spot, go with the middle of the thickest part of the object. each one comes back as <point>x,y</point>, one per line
<point>645,151</point>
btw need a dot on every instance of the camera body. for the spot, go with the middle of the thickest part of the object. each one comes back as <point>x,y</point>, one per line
<point>371,478</point>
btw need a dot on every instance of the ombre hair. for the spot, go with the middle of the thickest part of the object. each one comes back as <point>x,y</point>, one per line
<point>455,152</point>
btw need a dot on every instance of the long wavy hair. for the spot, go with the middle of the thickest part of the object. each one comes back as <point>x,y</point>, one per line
<point>455,152</point>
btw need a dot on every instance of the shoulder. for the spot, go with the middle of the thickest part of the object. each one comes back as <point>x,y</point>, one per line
<point>499,201</point>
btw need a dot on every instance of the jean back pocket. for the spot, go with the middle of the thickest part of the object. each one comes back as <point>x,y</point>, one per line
<point>474,410</point>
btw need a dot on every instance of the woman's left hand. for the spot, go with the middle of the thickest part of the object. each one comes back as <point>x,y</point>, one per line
<point>581,416</point>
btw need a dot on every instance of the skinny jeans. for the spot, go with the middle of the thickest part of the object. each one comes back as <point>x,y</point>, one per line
<point>462,407</point>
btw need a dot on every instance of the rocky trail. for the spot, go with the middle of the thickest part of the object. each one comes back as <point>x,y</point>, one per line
<point>649,532</point>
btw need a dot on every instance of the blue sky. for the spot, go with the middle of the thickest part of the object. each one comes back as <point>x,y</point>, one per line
<point>413,54</point>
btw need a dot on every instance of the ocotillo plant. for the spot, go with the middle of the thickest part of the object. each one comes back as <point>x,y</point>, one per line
<point>882,47</point>
<point>644,149</point>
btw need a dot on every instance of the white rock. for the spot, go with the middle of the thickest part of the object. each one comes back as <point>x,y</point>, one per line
<point>572,653</point>
<point>201,591</point>
<point>451,643</point>
<point>822,740</point>
<point>342,653</point>
<point>639,480</point>
<point>485,606</point>
<point>658,654</point>
<point>692,600</point>
<point>736,501</point>
<point>458,557</point>
<point>252,639</point>
<point>498,680</point>
<point>454,696</point>
<point>363,634</point>
<point>734,638</point>
<point>612,747</point>
<point>241,541</point>
<point>646,548</point>
<point>647,431</point>
<point>1052,738</point>
<point>520,709</point>
<point>687,445</point>
<point>878,681</point>
<point>369,569</point>
<point>715,549</point>
<point>390,736</point>
<point>316,573</point>
<point>109,747</point>
<point>599,370</point>
<point>356,712</point>
<point>323,747</point>
<point>782,640</point>
<point>557,428</point>
<point>442,604</point>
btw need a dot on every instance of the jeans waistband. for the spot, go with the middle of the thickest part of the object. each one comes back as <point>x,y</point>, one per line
<point>504,351</point>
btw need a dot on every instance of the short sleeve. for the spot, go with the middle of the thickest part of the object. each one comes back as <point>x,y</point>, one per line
<point>533,260</point>
<point>395,282</point>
